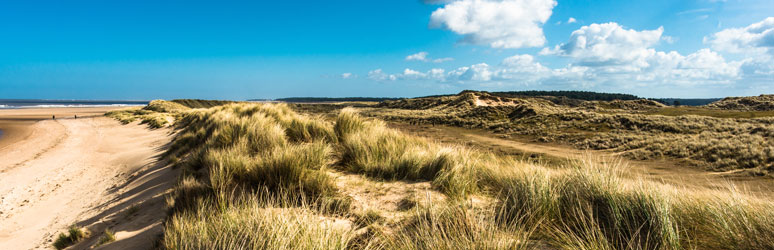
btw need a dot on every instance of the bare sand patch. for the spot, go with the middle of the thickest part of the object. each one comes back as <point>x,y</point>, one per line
<point>85,171</point>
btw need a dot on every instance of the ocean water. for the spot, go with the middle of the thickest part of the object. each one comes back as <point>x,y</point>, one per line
<point>39,103</point>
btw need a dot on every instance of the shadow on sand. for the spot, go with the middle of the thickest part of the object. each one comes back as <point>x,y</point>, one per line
<point>137,211</point>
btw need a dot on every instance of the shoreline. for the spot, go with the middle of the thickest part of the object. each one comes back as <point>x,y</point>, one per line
<point>16,124</point>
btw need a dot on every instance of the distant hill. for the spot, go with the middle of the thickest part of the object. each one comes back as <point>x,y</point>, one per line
<point>336,99</point>
<point>198,103</point>
<point>747,103</point>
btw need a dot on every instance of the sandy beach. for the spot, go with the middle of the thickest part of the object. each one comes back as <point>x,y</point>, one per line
<point>87,171</point>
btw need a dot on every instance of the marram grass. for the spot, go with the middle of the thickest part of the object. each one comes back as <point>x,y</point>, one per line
<point>257,176</point>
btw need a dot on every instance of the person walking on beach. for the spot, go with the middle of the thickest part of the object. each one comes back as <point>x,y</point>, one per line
<point>53,117</point>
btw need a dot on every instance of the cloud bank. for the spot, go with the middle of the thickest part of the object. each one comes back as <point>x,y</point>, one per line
<point>610,54</point>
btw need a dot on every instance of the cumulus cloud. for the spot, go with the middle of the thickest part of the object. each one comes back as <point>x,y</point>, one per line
<point>347,75</point>
<point>609,51</point>
<point>572,20</point>
<point>422,57</point>
<point>521,67</point>
<point>412,74</point>
<point>755,41</point>
<point>408,74</point>
<point>476,72</point>
<point>379,75</point>
<point>607,43</point>
<point>497,23</point>
<point>755,38</point>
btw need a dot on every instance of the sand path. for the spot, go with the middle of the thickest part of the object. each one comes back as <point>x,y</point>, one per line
<point>69,170</point>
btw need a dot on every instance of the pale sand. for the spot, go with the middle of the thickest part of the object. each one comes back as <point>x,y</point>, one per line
<point>89,171</point>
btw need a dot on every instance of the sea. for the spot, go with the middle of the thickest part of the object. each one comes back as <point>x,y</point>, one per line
<point>41,103</point>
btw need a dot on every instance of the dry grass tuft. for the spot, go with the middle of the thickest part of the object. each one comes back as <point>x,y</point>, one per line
<point>74,235</point>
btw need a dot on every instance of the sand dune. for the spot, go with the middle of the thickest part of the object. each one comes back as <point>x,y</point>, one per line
<point>86,172</point>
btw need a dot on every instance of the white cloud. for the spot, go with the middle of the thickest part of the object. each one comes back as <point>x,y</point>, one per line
<point>379,75</point>
<point>756,42</point>
<point>754,39</point>
<point>497,23</point>
<point>476,72</point>
<point>668,39</point>
<point>445,59</point>
<point>408,74</point>
<point>437,1</point>
<point>420,56</point>
<point>412,74</point>
<point>437,74</point>
<point>610,52</point>
<point>572,20</point>
<point>521,64</point>
<point>606,54</point>
<point>347,75</point>
<point>610,57</point>
<point>607,43</point>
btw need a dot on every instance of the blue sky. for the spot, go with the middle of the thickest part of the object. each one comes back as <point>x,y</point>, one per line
<point>271,49</point>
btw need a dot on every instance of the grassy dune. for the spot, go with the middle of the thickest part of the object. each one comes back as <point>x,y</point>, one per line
<point>639,129</point>
<point>260,176</point>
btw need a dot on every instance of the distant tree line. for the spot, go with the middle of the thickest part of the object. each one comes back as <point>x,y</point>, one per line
<point>580,95</point>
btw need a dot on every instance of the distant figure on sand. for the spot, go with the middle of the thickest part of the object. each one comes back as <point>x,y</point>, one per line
<point>53,117</point>
<point>76,116</point>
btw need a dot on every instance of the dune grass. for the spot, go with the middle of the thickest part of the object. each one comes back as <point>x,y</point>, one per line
<point>74,235</point>
<point>257,176</point>
<point>106,238</point>
<point>256,223</point>
<point>713,138</point>
<point>457,226</point>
